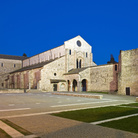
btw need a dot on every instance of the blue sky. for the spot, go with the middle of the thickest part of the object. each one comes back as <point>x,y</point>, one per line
<point>34,26</point>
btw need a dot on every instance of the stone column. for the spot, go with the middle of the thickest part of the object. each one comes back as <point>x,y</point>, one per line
<point>71,86</point>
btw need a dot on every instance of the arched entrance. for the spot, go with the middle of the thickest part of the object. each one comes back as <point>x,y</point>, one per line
<point>74,85</point>
<point>84,85</point>
<point>68,85</point>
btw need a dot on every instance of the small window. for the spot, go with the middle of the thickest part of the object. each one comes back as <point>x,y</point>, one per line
<point>86,54</point>
<point>55,74</point>
<point>1,64</point>
<point>2,84</point>
<point>115,67</point>
<point>14,65</point>
<point>69,52</point>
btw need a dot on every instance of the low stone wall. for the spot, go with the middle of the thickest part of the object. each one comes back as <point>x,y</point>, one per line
<point>12,91</point>
<point>80,95</point>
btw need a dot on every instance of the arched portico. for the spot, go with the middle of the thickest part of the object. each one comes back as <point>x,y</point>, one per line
<point>84,85</point>
<point>74,85</point>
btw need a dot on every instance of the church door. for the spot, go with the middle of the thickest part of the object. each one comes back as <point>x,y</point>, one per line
<point>54,87</point>
<point>127,90</point>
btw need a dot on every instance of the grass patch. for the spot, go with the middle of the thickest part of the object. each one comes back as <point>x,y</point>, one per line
<point>3,134</point>
<point>132,105</point>
<point>97,114</point>
<point>128,124</point>
<point>98,92</point>
<point>16,127</point>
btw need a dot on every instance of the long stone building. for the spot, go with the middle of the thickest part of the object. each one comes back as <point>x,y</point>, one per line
<point>70,67</point>
<point>9,63</point>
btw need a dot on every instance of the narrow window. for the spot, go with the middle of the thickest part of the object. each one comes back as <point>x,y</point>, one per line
<point>1,64</point>
<point>2,84</point>
<point>55,74</point>
<point>14,65</point>
<point>115,67</point>
<point>80,64</point>
<point>77,63</point>
<point>69,52</point>
<point>86,54</point>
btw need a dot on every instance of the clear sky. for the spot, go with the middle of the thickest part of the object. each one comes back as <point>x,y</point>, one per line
<point>35,26</point>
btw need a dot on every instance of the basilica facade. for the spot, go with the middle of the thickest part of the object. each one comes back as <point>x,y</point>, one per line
<point>69,67</point>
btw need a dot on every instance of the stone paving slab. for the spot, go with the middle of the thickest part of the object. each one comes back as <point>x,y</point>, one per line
<point>9,130</point>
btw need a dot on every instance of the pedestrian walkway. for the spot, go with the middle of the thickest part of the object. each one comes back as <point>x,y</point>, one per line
<point>12,132</point>
<point>49,126</point>
<point>117,118</point>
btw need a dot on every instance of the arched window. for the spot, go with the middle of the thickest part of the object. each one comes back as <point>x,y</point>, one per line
<point>69,52</point>
<point>86,54</point>
<point>77,63</point>
<point>80,63</point>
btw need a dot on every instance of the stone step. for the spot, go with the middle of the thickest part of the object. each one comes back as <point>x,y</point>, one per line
<point>80,95</point>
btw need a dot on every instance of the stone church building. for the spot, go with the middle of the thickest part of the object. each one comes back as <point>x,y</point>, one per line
<point>70,67</point>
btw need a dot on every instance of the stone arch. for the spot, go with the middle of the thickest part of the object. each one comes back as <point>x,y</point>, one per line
<point>84,85</point>
<point>62,87</point>
<point>74,85</point>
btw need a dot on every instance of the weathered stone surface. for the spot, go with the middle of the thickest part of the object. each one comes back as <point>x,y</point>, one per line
<point>128,74</point>
<point>80,95</point>
<point>8,66</point>
<point>103,78</point>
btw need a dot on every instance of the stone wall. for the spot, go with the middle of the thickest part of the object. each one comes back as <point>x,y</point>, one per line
<point>7,66</point>
<point>103,78</point>
<point>53,71</point>
<point>128,74</point>
<point>74,52</point>
<point>45,56</point>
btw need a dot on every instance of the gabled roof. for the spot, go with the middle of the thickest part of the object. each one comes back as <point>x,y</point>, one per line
<point>12,57</point>
<point>39,65</point>
<point>75,71</point>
